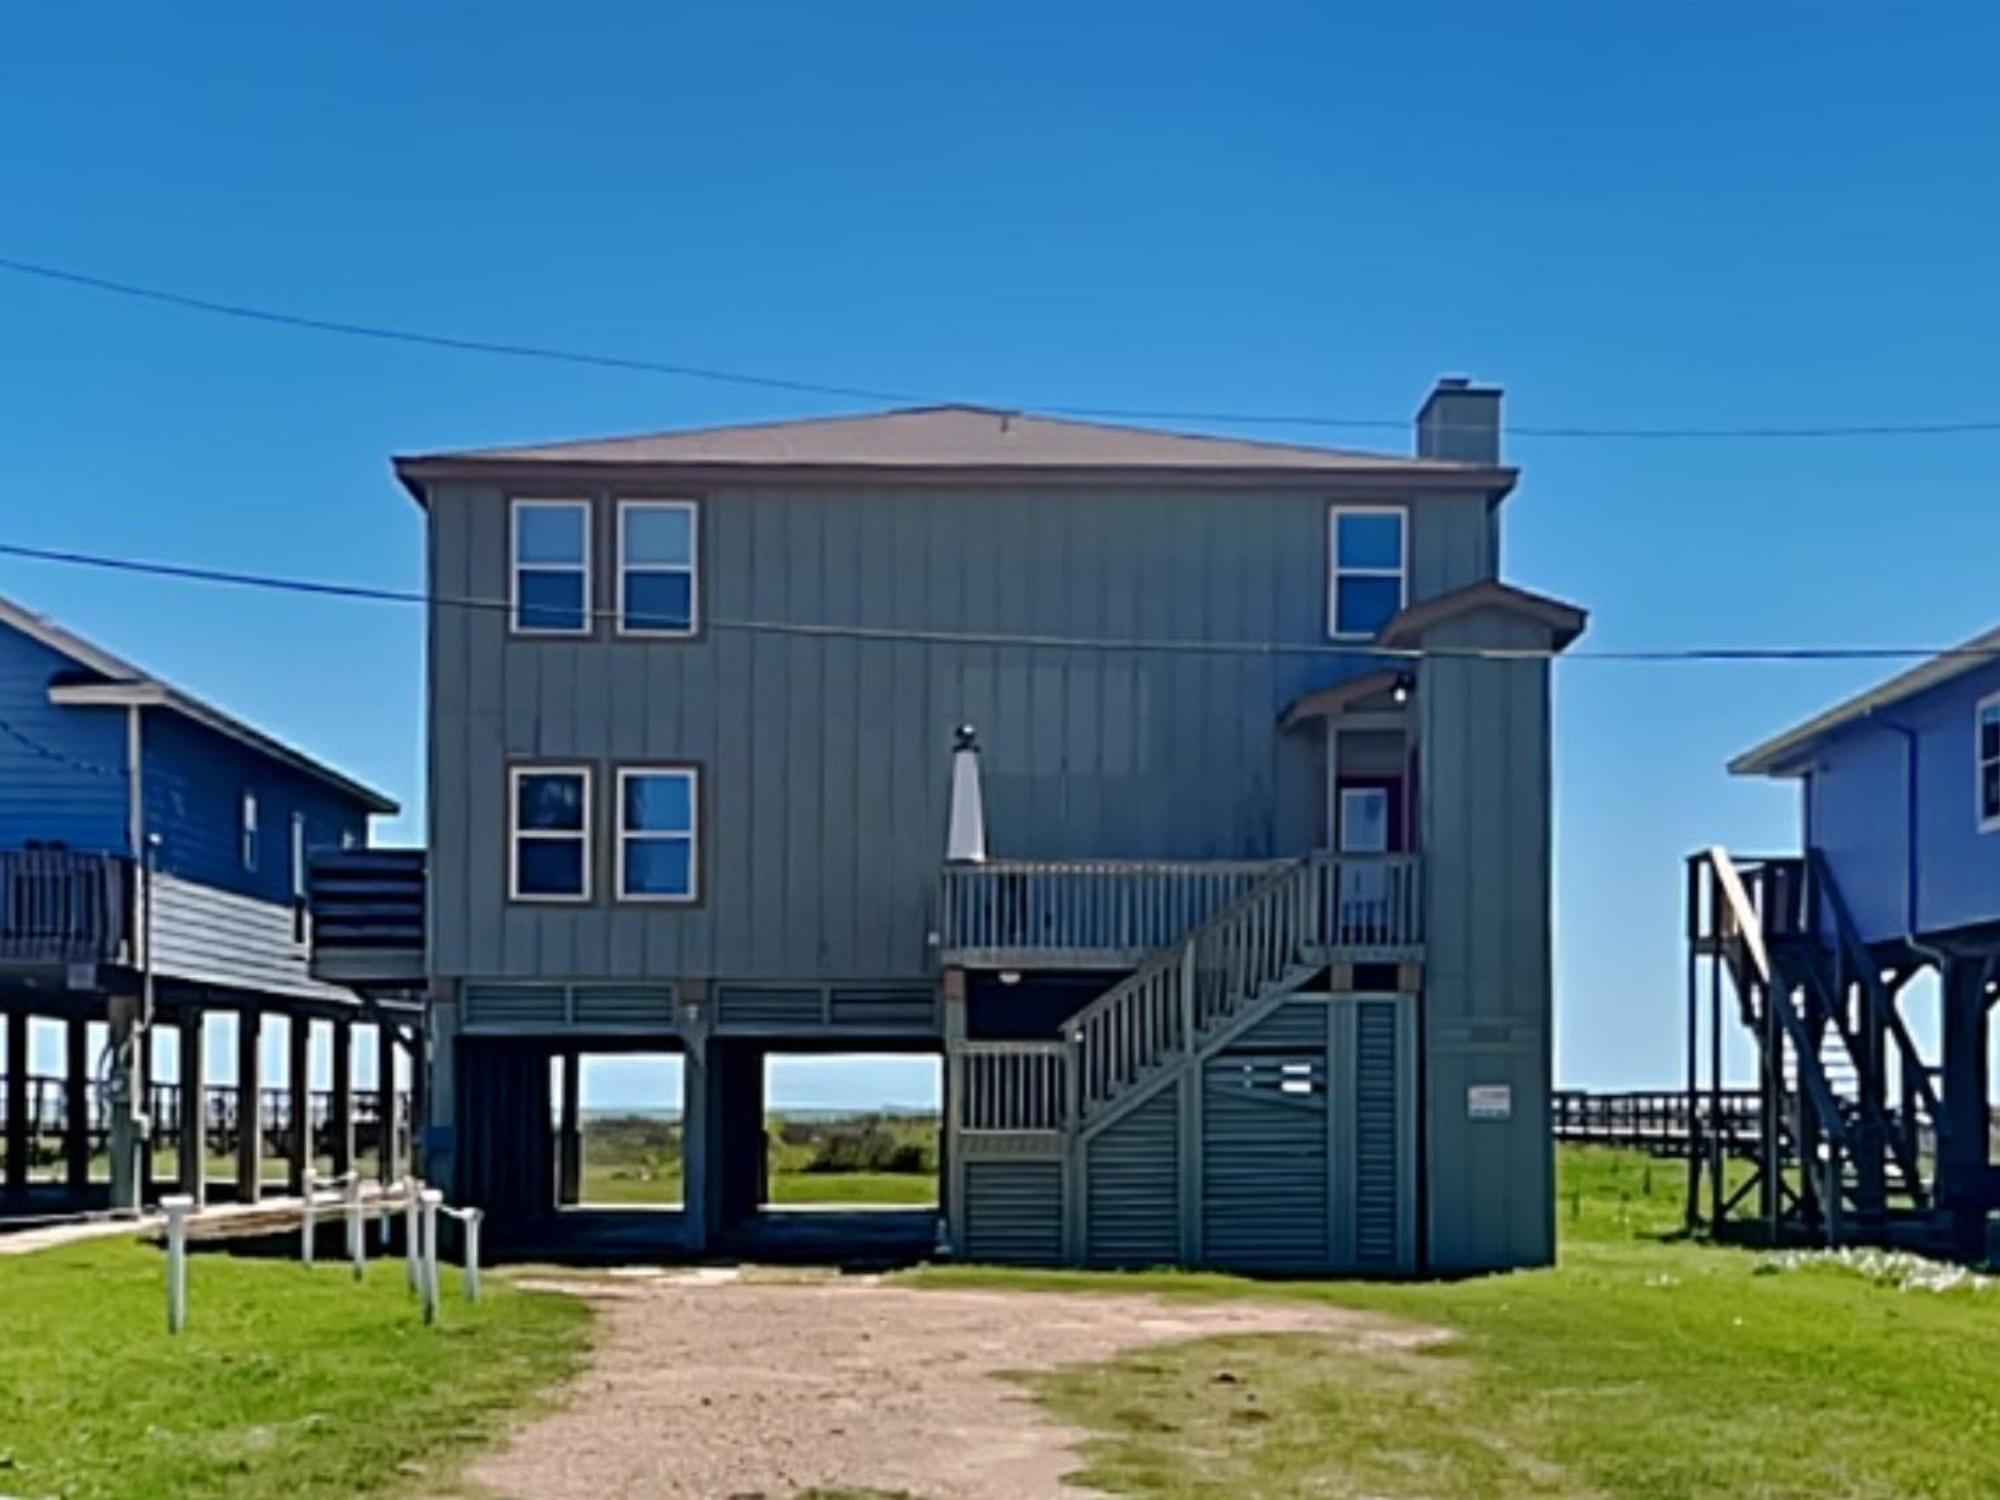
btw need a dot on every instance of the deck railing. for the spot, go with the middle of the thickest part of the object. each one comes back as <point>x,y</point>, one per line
<point>1082,913</point>
<point>1118,913</point>
<point>64,906</point>
<point>1013,1086</point>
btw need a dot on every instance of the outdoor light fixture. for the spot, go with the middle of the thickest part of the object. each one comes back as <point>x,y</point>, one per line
<point>1400,693</point>
<point>1010,976</point>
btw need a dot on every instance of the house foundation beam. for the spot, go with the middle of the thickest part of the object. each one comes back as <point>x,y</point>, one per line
<point>1965,1185</point>
<point>249,1107</point>
<point>17,1104</point>
<point>340,1121</point>
<point>569,1132</point>
<point>76,1115</point>
<point>194,1106</point>
<point>388,1165</point>
<point>298,1081</point>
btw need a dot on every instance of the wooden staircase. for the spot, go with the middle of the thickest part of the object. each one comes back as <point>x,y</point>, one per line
<point>1848,1098</point>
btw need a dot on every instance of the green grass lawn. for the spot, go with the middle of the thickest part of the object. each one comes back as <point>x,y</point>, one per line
<point>286,1382</point>
<point>634,1161</point>
<point>1635,1368</point>
<point>613,1186</point>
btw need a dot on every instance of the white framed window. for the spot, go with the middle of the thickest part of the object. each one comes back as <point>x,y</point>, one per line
<point>1368,551</point>
<point>298,856</point>
<point>548,844</point>
<point>246,827</point>
<point>659,833</point>
<point>659,586</point>
<point>1986,762</point>
<point>549,571</point>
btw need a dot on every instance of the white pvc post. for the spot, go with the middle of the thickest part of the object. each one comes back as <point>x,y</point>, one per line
<point>306,1222</point>
<point>471,1219</point>
<point>431,1199</point>
<point>357,1233</point>
<point>177,1208</point>
<point>413,1244</point>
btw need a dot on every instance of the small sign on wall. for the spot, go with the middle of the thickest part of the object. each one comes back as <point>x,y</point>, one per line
<point>1489,1101</point>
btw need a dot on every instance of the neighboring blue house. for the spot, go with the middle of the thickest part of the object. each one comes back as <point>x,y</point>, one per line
<point>1900,875</point>
<point>101,766</point>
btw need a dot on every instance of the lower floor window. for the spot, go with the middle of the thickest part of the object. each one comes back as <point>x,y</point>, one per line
<point>551,834</point>
<point>658,833</point>
<point>1986,750</point>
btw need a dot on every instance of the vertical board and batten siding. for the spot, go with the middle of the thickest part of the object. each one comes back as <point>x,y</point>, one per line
<point>825,760</point>
<point>1132,1201</point>
<point>62,773</point>
<point>1487,980</point>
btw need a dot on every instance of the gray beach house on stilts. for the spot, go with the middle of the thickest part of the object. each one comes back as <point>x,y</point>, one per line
<point>1189,797</point>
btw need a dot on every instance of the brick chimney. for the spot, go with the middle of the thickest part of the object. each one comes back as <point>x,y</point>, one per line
<point>1460,420</point>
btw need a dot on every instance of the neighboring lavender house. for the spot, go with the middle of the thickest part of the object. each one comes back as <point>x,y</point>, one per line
<point>1898,877</point>
<point>1253,966</point>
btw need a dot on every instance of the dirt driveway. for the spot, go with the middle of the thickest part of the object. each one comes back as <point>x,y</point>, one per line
<point>710,1387</point>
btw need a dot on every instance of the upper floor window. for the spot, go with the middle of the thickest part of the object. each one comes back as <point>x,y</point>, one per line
<point>656,567</point>
<point>1986,761</point>
<point>1368,564</point>
<point>549,843</point>
<point>551,567</point>
<point>298,855</point>
<point>247,830</point>
<point>658,810</point>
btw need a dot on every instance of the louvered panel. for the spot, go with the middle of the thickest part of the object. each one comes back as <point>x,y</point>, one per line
<point>1013,1212</point>
<point>648,1005</point>
<point>1296,1026</point>
<point>1264,1161</point>
<point>503,1007</point>
<point>758,1005</point>
<point>1133,1187</point>
<point>884,1009</point>
<point>1378,1188</point>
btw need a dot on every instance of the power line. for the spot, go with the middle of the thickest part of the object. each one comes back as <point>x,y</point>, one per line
<point>370,593</point>
<point>387,333</point>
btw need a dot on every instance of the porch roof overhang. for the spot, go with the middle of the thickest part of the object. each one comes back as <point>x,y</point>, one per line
<point>1342,698</point>
<point>1406,630</point>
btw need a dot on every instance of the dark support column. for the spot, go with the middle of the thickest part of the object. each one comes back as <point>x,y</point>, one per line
<point>17,1102</point>
<point>194,1106</point>
<point>249,1108</point>
<point>142,1101</point>
<point>341,1122</point>
<point>76,1074</point>
<point>569,1132</point>
<point>420,1104</point>
<point>298,1079</point>
<point>1965,1190</point>
<point>385,1103</point>
<point>738,1148</point>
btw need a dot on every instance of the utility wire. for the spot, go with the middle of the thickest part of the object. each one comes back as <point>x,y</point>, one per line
<point>390,334</point>
<point>836,631</point>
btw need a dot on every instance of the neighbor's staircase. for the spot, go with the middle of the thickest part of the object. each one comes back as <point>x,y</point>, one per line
<point>1841,1162</point>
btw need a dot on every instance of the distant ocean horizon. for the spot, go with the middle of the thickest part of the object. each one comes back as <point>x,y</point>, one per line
<point>785,1112</point>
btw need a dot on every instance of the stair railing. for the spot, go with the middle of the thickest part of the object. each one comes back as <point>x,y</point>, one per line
<point>1187,990</point>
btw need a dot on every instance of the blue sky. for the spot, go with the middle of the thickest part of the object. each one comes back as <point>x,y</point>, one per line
<point>1698,214</point>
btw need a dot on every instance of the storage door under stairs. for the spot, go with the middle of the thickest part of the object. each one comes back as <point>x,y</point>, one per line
<point>1265,1144</point>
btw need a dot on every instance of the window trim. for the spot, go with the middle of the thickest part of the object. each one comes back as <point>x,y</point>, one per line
<point>515,834</point>
<point>515,507</point>
<point>1401,572</point>
<point>692,896</point>
<point>247,830</point>
<point>1986,824</point>
<point>298,856</point>
<point>693,626</point>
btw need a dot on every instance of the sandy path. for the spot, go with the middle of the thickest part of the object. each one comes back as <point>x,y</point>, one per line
<point>710,1389</point>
